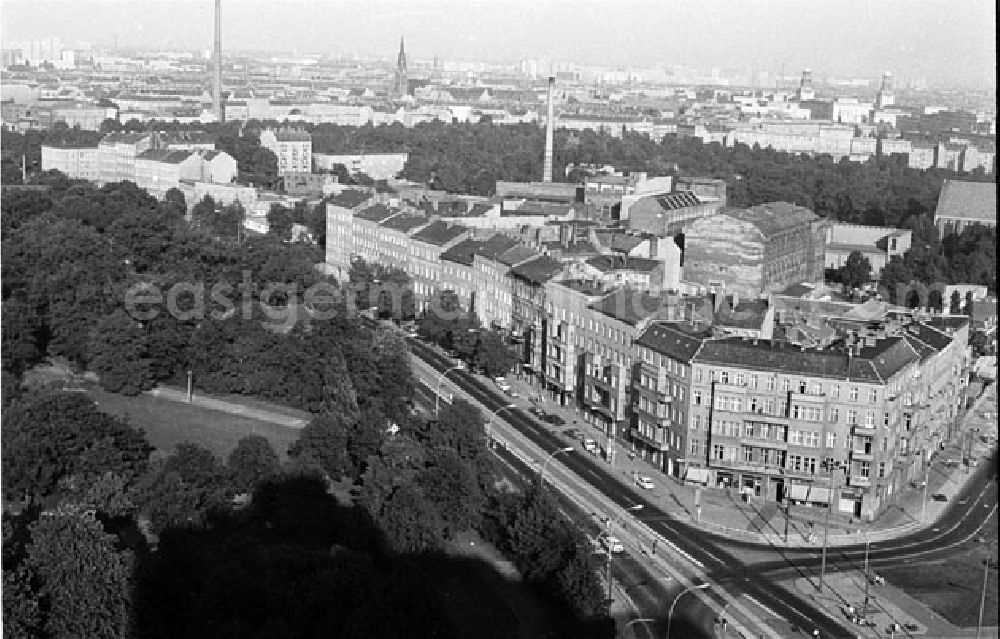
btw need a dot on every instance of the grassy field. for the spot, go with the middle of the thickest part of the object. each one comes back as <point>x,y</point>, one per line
<point>167,423</point>
<point>953,588</point>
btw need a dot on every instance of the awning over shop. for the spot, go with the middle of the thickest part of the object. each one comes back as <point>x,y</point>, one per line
<point>699,475</point>
<point>819,495</point>
<point>798,492</point>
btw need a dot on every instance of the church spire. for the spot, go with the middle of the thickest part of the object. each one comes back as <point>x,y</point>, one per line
<point>401,85</point>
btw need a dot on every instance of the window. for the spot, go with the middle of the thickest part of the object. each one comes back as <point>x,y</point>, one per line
<point>872,396</point>
<point>795,437</point>
<point>698,375</point>
<point>747,454</point>
<point>769,406</point>
<point>810,438</point>
<point>831,440</point>
<point>881,470</point>
<point>724,377</point>
<point>697,398</point>
<point>864,469</point>
<point>870,419</point>
<point>752,381</point>
<point>695,447</point>
<point>754,405</point>
<point>697,422</point>
<point>834,414</point>
<point>718,451</point>
<point>740,379</point>
<point>769,384</point>
<point>835,391</point>
<point>786,385</point>
<point>748,429</point>
<point>852,417</point>
<point>854,393</point>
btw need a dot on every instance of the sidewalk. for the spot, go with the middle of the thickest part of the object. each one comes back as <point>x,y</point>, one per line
<point>723,512</point>
<point>205,401</point>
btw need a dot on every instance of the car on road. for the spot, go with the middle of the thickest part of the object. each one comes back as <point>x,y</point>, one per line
<point>548,418</point>
<point>644,482</point>
<point>939,497</point>
<point>510,392</point>
<point>573,433</point>
<point>590,446</point>
<point>502,384</point>
<point>612,543</point>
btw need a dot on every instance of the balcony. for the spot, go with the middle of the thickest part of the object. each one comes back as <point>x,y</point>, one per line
<point>860,455</point>
<point>859,481</point>
<point>649,441</point>
<point>600,407</point>
<point>753,467</point>
<point>866,431</point>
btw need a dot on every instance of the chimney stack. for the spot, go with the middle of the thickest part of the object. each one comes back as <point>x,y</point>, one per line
<point>217,93</point>
<point>547,174</point>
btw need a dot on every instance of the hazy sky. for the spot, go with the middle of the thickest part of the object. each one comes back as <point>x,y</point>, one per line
<point>941,40</point>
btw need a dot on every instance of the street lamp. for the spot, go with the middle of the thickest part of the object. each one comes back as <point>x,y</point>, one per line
<point>826,526</point>
<point>670,613</point>
<point>986,577</point>
<point>610,555</point>
<point>541,472</point>
<point>868,580</point>
<point>437,392</point>
<point>927,476</point>
<point>643,620</point>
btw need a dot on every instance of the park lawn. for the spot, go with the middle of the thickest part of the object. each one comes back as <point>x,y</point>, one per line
<point>168,423</point>
<point>953,588</point>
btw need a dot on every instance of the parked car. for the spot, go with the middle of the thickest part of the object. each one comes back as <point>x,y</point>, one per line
<point>511,392</point>
<point>644,482</point>
<point>573,433</point>
<point>503,386</point>
<point>612,543</point>
<point>590,445</point>
<point>939,497</point>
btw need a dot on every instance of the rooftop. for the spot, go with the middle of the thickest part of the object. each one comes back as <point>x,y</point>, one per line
<point>677,340</point>
<point>606,263</point>
<point>517,254</point>
<point>967,200</point>
<point>375,213</point>
<point>774,217</point>
<point>628,305</point>
<point>349,199</point>
<point>167,156</point>
<point>537,271</point>
<point>440,233</point>
<point>463,253</point>
<point>405,222</point>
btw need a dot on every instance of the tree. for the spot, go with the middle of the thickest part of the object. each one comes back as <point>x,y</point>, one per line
<point>324,442</point>
<point>251,462</point>
<point>51,436</point>
<point>22,336</point>
<point>279,222</point>
<point>118,353</point>
<point>856,272</point>
<point>460,428</point>
<point>85,583</point>
<point>492,355</point>
<point>452,485</point>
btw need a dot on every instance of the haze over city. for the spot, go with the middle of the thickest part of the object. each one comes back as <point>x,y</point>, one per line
<point>949,44</point>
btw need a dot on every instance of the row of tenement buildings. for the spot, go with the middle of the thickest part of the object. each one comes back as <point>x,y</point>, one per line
<point>717,359</point>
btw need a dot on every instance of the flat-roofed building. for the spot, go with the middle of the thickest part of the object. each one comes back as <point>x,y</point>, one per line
<point>292,148</point>
<point>117,153</point>
<point>876,243</point>
<point>76,162</point>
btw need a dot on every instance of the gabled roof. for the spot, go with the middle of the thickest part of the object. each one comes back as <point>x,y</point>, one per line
<point>537,271</point>
<point>628,306</point>
<point>463,253</point>
<point>496,246</point>
<point>440,233</point>
<point>166,156</point>
<point>967,200</point>
<point>519,254</point>
<point>349,199</point>
<point>676,340</point>
<point>375,213</point>
<point>405,222</point>
<point>774,217</point>
<point>674,201</point>
<point>607,263</point>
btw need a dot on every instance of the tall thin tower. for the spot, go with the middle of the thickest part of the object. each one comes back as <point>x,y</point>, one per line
<point>401,86</point>
<point>549,126</point>
<point>217,88</point>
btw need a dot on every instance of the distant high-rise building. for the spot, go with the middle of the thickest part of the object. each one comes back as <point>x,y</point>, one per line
<point>400,88</point>
<point>886,97</point>
<point>217,66</point>
<point>806,86</point>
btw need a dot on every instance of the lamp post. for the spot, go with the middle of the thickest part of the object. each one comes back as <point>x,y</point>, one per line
<point>982,597</point>
<point>643,620</point>
<point>670,613</point>
<point>826,526</point>
<point>927,476</point>
<point>541,471</point>
<point>437,391</point>
<point>868,580</point>
<point>607,533</point>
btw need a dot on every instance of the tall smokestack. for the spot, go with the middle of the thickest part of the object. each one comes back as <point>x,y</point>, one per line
<point>217,93</point>
<point>547,174</point>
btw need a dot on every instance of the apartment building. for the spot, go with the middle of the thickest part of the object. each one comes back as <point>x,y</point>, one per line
<point>755,251</point>
<point>491,277</point>
<point>426,247</point>
<point>875,243</point>
<point>76,162</point>
<point>528,310</point>
<point>963,204</point>
<point>459,275</point>
<point>366,231</point>
<point>117,153</point>
<point>292,148</point>
<point>566,304</point>
<point>392,246</point>
<point>159,170</point>
<point>340,210</point>
<point>772,419</point>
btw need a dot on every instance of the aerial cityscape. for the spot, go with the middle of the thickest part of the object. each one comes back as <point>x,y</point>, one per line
<point>502,320</point>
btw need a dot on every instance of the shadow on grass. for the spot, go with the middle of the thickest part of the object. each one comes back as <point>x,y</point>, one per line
<point>297,563</point>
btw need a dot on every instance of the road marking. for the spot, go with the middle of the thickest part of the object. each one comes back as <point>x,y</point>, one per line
<point>762,607</point>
